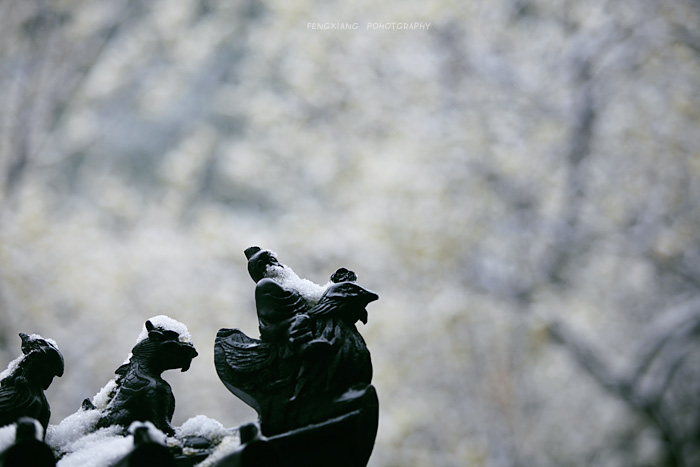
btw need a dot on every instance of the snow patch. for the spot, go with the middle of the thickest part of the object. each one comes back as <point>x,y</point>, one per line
<point>11,367</point>
<point>82,447</point>
<point>203,426</point>
<point>166,323</point>
<point>104,397</point>
<point>67,435</point>
<point>99,449</point>
<point>7,436</point>
<point>287,278</point>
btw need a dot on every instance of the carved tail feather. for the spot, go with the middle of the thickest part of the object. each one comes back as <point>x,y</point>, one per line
<point>236,357</point>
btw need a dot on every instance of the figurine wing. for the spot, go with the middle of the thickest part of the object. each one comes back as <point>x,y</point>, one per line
<point>241,352</point>
<point>133,383</point>
<point>14,403</point>
<point>246,366</point>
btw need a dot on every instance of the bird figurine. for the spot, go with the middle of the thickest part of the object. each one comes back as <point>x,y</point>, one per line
<point>23,383</point>
<point>141,394</point>
<point>309,348</point>
<point>309,374</point>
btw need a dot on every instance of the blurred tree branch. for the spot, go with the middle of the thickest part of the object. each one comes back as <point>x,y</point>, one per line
<point>663,349</point>
<point>688,38</point>
<point>53,71</point>
<point>668,339</point>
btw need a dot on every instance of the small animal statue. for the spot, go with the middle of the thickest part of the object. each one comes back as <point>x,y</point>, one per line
<point>28,449</point>
<point>140,393</point>
<point>23,383</point>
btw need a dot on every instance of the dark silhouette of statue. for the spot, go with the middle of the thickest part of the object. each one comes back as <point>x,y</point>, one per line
<point>23,383</point>
<point>28,450</point>
<point>309,374</point>
<point>141,394</point>
<point>147,452</point>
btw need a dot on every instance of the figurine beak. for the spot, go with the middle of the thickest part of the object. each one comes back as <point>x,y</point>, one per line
<point>371,296</point>
<point>193,353</point>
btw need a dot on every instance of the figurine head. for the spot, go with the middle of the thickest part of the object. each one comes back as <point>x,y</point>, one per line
<point>42,360</point>
<point>258,261</point>
<point>163,349</point>
<point>350,293</point>
<point>348,300</point>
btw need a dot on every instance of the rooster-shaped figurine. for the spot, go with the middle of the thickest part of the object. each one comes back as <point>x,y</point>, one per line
<point>310,366</point>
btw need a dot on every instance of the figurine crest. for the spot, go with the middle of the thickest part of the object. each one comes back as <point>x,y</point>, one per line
<point>23,383</point>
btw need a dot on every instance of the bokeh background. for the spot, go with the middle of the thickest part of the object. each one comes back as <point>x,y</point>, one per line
<point>520,183</point>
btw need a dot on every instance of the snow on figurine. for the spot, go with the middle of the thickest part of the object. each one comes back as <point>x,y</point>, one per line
<point>23,383</point>
<point>309,374</point>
